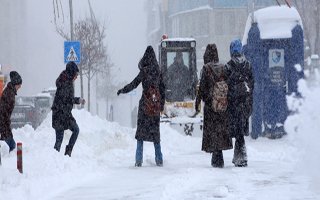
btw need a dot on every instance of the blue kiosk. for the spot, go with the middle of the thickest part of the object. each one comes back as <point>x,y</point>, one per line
<point>273,43</point>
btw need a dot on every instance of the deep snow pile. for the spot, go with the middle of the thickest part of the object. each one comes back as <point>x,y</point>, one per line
<point>99,144</point>
<point>303,129</point>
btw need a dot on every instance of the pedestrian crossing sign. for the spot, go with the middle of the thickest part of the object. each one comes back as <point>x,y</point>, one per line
<point>72,51</point>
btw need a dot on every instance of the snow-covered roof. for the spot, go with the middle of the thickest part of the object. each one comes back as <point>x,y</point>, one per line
<point>274,22</point>
<point>178,39</point>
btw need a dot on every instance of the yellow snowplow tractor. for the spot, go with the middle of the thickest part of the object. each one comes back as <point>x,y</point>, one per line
<point>178,63</point>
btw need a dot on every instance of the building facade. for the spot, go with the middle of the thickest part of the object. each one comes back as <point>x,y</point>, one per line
<point>208,21</point>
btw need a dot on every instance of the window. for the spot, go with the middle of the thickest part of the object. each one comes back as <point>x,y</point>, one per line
<point>178,77</point>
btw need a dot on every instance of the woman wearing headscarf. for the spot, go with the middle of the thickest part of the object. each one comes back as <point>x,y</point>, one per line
<point>150,105</point>
<point>216,136</point>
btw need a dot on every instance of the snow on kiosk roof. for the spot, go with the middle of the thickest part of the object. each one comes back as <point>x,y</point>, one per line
<point>274,22</point>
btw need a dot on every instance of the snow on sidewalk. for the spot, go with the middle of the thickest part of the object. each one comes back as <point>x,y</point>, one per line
<point>102,163</point>
<point>187,174</point>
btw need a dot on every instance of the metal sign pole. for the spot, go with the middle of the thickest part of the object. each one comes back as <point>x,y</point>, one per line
<point>71,20</point>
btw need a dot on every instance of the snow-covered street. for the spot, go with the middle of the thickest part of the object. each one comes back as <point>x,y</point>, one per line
<point>102,167</point>
<point>84,73</point>
<point>188,175</point>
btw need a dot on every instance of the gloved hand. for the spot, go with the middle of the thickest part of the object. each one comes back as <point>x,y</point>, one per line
<point>82,101</point>
<point>119,92</point>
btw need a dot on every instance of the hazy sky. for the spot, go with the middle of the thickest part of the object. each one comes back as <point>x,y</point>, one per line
<point>43,49</point>
<point>31,45</point>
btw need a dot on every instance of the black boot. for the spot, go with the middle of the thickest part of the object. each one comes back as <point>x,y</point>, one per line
<point>57,147</point>
<point>159,163</point>
<point>217,159</point>
<point>68,150</point>
<point>138,164</point>
<point>240,153</point>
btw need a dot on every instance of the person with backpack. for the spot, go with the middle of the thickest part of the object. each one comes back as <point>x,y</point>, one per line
<point>7,102</point>
<point>62,106</point>
<point>150,105</point>
<point>241,84</point>
<point>213,91</point>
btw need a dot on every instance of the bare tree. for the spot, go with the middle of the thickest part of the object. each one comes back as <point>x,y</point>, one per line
<point>94,51</point>
<point>91,35</point>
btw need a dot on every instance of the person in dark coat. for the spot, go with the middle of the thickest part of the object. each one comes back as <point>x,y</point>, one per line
<point>148,123</point>
<point>215,124</point>
<point>63,102</point>
<point>177,79</point>
<point>7,102</point>
<point>241,84</point>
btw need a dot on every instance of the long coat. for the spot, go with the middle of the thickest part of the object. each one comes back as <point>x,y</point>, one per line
<point>64,100</point>
<point>215,124</point>
<point>147,126</point>
<point>241,85</point>
<point>7,102</point>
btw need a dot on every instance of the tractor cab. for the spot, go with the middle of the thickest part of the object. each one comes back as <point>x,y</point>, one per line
<point>178,64</point>
<point>177,59</point>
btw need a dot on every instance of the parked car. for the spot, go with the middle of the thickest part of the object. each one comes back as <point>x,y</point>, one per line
<point>23,112</point>
<point>31,110</point>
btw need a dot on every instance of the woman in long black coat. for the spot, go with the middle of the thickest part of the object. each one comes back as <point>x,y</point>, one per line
<point>148,114</point>
<point>216,135</point>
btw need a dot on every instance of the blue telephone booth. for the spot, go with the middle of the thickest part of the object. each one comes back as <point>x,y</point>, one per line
<point>273,43</point>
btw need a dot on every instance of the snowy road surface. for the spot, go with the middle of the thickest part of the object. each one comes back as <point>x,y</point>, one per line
<point>187,174</point>
<point>102,167</point>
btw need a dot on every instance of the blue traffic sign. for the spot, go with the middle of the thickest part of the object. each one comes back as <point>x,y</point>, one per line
<point>72,51</point>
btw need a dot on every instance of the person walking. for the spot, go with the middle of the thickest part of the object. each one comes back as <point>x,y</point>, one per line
<point>63,102</point>
<point>213,91</point>
<point>7,103</point>
<point>150,105</point>
<point>241,84</point>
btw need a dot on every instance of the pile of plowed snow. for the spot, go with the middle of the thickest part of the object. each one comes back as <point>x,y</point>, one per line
<point>100,145</point>
<point>303,129</point>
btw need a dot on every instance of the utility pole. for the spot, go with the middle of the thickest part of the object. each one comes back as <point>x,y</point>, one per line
<point>71,20</point>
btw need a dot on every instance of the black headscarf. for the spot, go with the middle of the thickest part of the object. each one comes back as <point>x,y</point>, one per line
<point>211,54</point>
<point>148,63</point>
